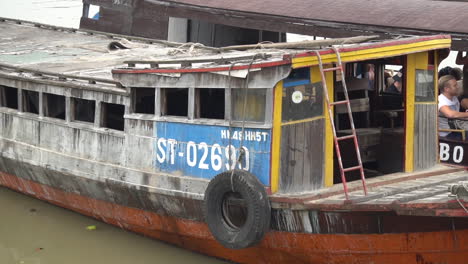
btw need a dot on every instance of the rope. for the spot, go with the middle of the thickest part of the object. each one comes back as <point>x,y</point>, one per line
<point>465,186</point>
<point>244,110</point>
<point>183,48</point>
<point>230,123</point>
<point>461,204</point>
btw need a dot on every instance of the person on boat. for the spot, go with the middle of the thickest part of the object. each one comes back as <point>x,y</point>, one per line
<point>463,60</point>
<point>445,71</point>
<point>388,78</point>
<point>462,95</point>
<point>449,107</point>
<point>396,85</point>
<point>370,76</point>
<point>458,74</point>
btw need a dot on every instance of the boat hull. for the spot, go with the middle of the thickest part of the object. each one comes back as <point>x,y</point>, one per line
<point>445,246</point>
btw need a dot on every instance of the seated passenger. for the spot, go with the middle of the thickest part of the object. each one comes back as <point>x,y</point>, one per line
<point>396,85</point>
<point>449,107</point>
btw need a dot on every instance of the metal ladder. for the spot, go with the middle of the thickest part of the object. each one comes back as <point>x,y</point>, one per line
<point>336,139</point>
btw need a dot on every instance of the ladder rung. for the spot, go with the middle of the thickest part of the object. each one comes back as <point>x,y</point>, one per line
<point>352,168</point>
<point>339,102</point>
<point>332,69</point>
<point>345,137</point>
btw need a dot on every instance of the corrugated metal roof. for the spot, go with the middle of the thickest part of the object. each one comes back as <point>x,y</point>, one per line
<point>438,16</point>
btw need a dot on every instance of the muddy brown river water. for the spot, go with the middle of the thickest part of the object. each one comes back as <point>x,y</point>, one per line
<point>35,232</point>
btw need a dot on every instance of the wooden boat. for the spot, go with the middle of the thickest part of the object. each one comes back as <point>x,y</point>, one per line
<point>231,153</point>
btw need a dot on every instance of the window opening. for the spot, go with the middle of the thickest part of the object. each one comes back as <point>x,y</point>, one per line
<point>144,100</point>
<point>255,110</point>
<point>302,102</point>
<point>113,116</point>
<point>425,86</point>
<point>393,76</point>
<point>297,77</point>
<point>209,103</point>
<point>83,110</point>
<point>378,114</point>
<point>175,102</point>
<point>9,96</point>
<point>94,12</point>
<point>31,102</point>
<point>54,106</point>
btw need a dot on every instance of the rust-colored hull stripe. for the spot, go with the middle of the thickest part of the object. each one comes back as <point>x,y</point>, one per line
<point>277,247</point>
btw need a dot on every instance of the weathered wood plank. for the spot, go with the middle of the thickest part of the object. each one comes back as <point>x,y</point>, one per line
<point>425,136</point>
<point>285,157</point>
<point>299,175</point>
<point>302,158</point>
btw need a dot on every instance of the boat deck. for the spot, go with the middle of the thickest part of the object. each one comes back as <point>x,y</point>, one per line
<point>423,193</point>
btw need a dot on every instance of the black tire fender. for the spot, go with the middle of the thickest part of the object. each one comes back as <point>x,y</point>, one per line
<point>256,205</point>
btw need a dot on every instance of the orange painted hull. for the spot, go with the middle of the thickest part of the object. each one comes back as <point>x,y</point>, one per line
<point>449,246</point>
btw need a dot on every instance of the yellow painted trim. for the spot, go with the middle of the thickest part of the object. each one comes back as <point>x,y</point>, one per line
<point>375,53</point>
<point>436,73</point>
<point>303,121</point>
<point>409,131</point>
<point>329,145</point>
<point>276,144</point>
<point>436,88</point>
<point>421,60</point>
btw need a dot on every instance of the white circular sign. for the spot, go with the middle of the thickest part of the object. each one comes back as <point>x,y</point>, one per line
<point>297,97</point>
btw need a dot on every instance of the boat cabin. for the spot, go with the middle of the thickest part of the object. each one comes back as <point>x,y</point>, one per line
<point>276,109</point>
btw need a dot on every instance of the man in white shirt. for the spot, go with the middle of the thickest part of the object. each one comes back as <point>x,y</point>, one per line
<point>449,106</point>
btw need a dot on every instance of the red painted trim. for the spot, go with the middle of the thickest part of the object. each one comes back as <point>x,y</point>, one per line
<point>215,69</point>
<point>449,246</point>
<point>376,45</point>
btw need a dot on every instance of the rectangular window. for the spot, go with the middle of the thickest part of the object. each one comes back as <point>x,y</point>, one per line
<point>302,102</point>
<point>54,106</point>
<point>30,102</point>
<point>393,79</point>
<point>83,110</point>
<point>174,102</point>
<point>144,100</point>
<point>425,90</point>
<point>209,103</point>
<point>113,116</point>
<point>91,11</point>
<point>299,76</point>
<point>254,101</point>
<point>9,97</point>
